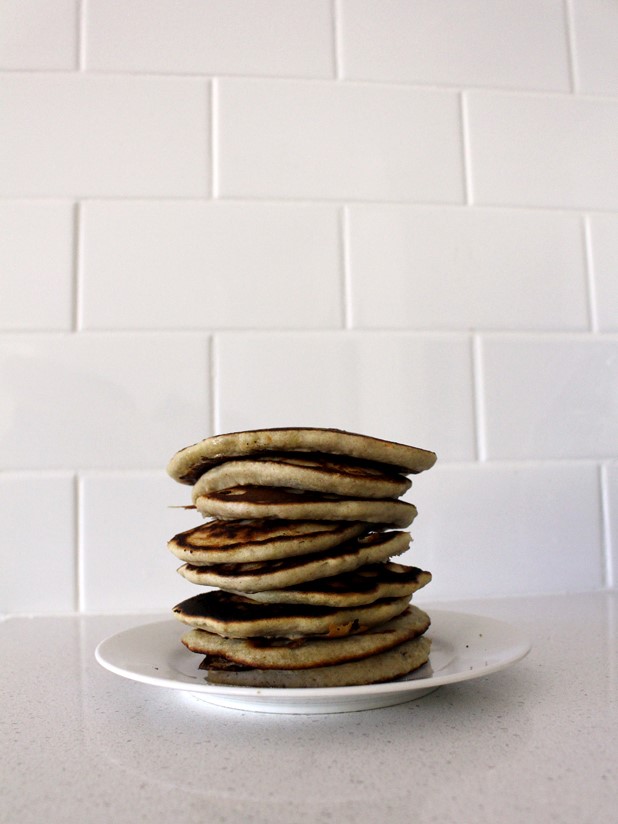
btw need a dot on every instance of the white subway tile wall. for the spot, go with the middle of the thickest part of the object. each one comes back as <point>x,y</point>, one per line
<point>279,38</point>
<point>467,268</point>
<point>125,566</point>
<point>541,394</point>
<point>390,385</point>
<point>324,140</point>
<point>39,544</point>
<point>38,35</point>
<point>195,264</point>
<point>594,41</point>
<point>391,217</point>
<point>100,401</point>
<point>80,135</point>
<point>36,265</point>
<point>474,43</point>
<point>537,150</point>
<point>521,524</point>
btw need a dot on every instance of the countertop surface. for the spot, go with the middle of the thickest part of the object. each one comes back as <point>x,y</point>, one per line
<point>537,741</point>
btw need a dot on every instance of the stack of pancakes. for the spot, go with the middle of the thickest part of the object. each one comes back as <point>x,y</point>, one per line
<point>302,526</point>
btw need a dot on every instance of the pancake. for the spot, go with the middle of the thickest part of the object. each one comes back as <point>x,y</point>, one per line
<point>237,542</point>
<point>361,586</point>
<point>385,666</point>
<point>187,465</point>
<point>267,575</point>
<point>226,653</point>
<point>266,502</point>
<point>331,476</point>
<point>234,616</point>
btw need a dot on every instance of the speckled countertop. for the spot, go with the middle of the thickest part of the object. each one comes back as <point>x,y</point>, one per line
<point>535,742</point>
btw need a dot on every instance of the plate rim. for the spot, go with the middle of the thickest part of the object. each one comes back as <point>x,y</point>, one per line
<point>521,642</point>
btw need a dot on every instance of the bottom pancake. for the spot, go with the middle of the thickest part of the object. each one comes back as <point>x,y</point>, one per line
<point>385,666</point>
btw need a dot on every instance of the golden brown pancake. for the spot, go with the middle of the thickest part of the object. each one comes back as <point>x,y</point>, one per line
<point>265,575</point>
<point>235,616</point>
<point>187,465</point>
<point>267,502</point>
<point>327,475</point>
<point>385,666</point>
<point>361,586</point>
<point>303,653</point>
<point>222,542</point>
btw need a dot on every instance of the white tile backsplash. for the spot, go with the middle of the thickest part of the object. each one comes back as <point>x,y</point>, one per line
<point>38,35</point>
<point>99,401</point>
<point>550,397</point>
<point>296,139</point>
<point>127,520</point>
<point>191,264</point>
<point>65,135</point>
<point>391,217</point>
<point>515,529</point>
<point>595,38</point>
<point>387,385</point>
<point>36,265</point>
<point>38,551</point>
<point>475,43</point>
<point>537,150</point>
<point>290,38</point>
<point>462,268</point>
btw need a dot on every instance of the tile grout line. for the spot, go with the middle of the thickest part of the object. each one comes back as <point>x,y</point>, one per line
<point>591,294</point>
<point>76,320</point>
<point>78,597</point>
<point>346,274</point>
<point>570,46</point>
<point>214,139</point>
<point>426,86</point>
<point>478,398</point>
<point>465,150</point>
<point>606,533</point>
<point>433,87</point>
<point>213,382</point>
<point>81,36</point>
<point>296,200</point>
<point>577,335</point>
<point>337,39</point>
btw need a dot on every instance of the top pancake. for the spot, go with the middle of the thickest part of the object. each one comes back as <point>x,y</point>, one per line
<point>187,465</point>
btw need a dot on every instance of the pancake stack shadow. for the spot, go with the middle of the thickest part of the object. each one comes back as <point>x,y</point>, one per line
<point>296,552</point>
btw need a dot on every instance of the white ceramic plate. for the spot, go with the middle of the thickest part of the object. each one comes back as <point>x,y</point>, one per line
<point>463,647</point>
